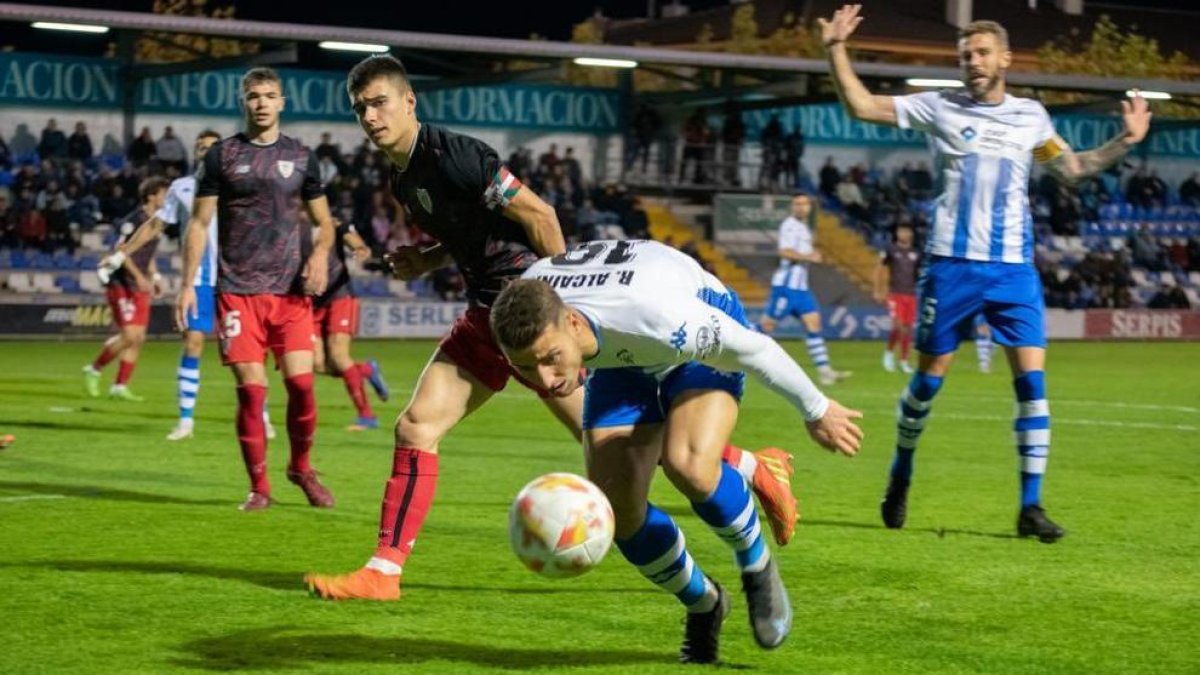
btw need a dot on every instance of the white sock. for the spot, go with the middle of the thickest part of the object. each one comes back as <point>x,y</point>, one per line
<point>383,565</point>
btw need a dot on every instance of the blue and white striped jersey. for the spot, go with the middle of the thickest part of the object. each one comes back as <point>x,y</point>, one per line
<point>794,235</point>
<point>983,155</point>
<point>176,210</point>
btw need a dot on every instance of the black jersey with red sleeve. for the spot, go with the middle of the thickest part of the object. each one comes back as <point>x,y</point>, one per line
<point>141,257</point>
<point>260,191</point>
<point>454,189</point>
<point>904,264</point>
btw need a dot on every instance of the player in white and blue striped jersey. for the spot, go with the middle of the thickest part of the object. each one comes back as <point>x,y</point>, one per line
<point>980,247</point>
<point>175,211</point>
<point>665,344</point>
<point>790,295</point>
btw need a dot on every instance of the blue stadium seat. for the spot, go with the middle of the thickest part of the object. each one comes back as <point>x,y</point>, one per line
<point>69,283</point>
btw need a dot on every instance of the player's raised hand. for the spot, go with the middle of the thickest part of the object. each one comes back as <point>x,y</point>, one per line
<point>836,431</point>
<point>1136,113</point>
<point>841,26</point>
<point>407,262</point>
<point>185,306</point>
<point>315,274</point>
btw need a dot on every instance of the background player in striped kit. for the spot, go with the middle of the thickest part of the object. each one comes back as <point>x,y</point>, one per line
<point>789,288</point>
<point>130,285</point>
<point>981,241</point>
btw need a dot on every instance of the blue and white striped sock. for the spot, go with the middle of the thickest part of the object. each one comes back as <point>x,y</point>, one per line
<point>817,350</point>
<point>1032,427</point>
<point>188,378</point>
<point>911,415</point>
<point>729,511</point>
<point>660,554</point>
<point>983,350</point>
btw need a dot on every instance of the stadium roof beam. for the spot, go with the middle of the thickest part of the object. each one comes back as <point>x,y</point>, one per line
<point>261,30</point>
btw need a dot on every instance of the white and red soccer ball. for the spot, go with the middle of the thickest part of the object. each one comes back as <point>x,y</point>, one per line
<point>560,525</point>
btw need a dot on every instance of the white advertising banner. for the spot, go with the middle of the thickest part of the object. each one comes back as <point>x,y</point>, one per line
<point>384,319</point>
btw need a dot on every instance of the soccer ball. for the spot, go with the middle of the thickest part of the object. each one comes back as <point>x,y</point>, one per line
<point>560,525</point>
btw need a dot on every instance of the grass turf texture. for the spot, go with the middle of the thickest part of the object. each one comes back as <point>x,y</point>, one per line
<point>121,552</point>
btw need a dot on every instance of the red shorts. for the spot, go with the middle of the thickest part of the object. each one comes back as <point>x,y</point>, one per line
<point>902,308</point>
<point>471,346</point>
<point>248,324</point>
<point>129,307</point>
<point>339,315</point>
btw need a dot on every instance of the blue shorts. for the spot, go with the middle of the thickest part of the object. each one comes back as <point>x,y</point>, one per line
<point>206,312</point>
<point>619,397</point>
<point>952,291</point>
<point>790,302</point>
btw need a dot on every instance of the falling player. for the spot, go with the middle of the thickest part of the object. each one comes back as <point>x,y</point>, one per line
<point>665,344</point>
<point>981,240</point>
<point>255,181</point>
<point>129,290</point>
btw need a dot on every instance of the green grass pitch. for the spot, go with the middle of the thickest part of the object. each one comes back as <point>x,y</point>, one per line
<point>123,553</point>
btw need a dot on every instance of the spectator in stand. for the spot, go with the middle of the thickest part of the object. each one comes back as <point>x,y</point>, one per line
<point>54,142</point>
<point>793,151</point>
<point>646,125</point>
<point>1158,189</point>
<point>27,179</point>
<point>572,170</point>
<point>1169,296</point>
<point>772,154</point>
<point>58,226</point>
<point>1189,190</point>
<point>1065,211</point>
<point>79,145</point>
<point>327,148</point>
<point>851,198</point>
<point>9,237</point>
<point>1138,191</point>
<point>170,151</point>
<point>548,160</point>
<point>117,204</point>
<point>327,168</point>
<point>31,225</point>
<point>635,222</point>
<point>829,178</point>
<point>1177,254</point>
<point>5,154</point>
<point>695,135</point>
<point>733,134</point>
<point>1194,254</point>
<point>141,150</point>
<point>46,195</point>
<point>83,207</point>
<point>922,182</point>
<point>1146,252</point>
<point>586,220</point>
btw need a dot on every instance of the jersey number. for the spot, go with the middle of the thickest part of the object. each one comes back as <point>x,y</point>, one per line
<point>233,324</point>
<point>589,252</point>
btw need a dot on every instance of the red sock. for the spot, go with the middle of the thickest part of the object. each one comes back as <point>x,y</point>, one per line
<point>107,354</point>
<point>406,501</point>
<point>252,434</point>
<point>354,386</point>
<point>364,369</point>
<point>732,455</point>
<point>893,337</point>
<point>905,341</point>
<point>301,419</point>
<point>125,371</point>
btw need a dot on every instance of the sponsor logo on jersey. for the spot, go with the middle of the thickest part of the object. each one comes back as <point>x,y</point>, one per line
<point>679,337</point>
<point>286,167</point>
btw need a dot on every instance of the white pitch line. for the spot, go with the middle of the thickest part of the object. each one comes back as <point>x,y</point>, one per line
<point>1055,401</point>
<point>1058,419</point>
<point>29,498</point>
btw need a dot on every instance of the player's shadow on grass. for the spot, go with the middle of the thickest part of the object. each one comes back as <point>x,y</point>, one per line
<point>282,581</point>
<point>939,531</point>
<point>105,493</point>
<point>556,589</point>
<point>274,648</point>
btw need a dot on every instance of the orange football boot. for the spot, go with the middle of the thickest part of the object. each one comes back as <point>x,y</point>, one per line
<point>361,584</point>
<point>772,485</point>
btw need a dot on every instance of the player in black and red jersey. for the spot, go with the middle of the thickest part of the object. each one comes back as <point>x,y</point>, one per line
<point>257,181</point>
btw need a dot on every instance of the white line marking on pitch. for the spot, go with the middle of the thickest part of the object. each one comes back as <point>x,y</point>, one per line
<point>29,498</point>
<point>1073,420</point>
<point>1055,401</point>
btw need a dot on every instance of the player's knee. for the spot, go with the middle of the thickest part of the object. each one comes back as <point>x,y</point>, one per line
<point>692,473</point>
<point>193,343</point>
<point>413,430</point>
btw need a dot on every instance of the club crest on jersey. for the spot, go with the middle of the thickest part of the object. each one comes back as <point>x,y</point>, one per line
<point>426,202</point>
<point>286,167</point>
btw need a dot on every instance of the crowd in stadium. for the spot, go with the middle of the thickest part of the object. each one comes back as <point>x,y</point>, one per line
<point>59,187</point>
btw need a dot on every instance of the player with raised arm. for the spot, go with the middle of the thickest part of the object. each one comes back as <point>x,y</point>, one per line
<point>255,182</point>
<point>790,295</point>
<point>457,190</point>
<point>665,344</point>
<point>130,286</point>
<point>895,284</point>
<point>335,321</point>
<point>980,246</point>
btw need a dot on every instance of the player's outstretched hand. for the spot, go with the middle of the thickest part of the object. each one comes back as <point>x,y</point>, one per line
<point>1136,113</point>
<point>407,262</point>
<point>185,306</point>
<point>315,274</point>
<point>836,431</point>
<point>841,26</point>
